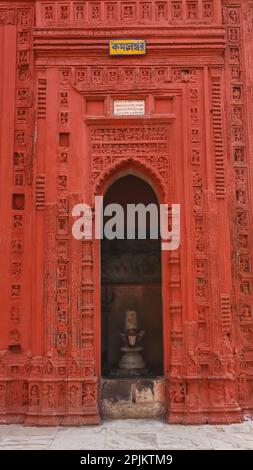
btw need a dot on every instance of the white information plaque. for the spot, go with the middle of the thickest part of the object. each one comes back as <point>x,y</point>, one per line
<point>129,107</point>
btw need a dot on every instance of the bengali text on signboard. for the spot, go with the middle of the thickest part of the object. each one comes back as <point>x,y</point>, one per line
<point>127,47</point>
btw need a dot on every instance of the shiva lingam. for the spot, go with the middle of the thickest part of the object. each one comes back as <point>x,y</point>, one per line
<point>131,362</point>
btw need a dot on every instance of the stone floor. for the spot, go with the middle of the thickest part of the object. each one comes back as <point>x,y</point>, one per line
<point>129,434</point>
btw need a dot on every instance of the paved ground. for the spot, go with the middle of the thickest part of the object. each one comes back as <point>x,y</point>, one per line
<point>129,434</point>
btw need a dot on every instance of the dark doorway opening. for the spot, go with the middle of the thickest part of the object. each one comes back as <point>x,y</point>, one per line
<point>131,281</point>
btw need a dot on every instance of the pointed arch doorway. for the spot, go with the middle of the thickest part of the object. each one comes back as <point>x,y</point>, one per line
<point>131,280</point>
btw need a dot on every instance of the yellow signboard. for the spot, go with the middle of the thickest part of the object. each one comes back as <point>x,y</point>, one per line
<point>127,47</point>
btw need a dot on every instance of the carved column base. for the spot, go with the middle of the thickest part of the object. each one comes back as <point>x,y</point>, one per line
<point>194,400</point>
<point>67,420</point>
<point>212,417</point>
<point>42,420</point>
<point>81,420</point>
<point>50,420</point>
<point>9,418</point>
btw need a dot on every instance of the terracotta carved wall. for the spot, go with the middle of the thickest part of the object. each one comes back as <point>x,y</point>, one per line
<point>61,144</point>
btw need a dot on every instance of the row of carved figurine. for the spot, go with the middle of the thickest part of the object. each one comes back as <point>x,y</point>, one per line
<point>104,74</point>
<point>242,266</point>
<point>146,11</point>
<point>24,112</point>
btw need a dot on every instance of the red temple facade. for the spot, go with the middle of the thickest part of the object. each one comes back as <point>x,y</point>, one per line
<point>61,144</point>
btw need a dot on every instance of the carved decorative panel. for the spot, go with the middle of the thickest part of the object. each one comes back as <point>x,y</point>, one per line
<point>109,145</point>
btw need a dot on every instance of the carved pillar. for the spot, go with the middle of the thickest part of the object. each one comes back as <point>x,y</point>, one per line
<point>17,146</point>
<point>238,20</point>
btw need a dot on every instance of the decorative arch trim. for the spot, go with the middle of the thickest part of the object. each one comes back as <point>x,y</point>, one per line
<point>131,166</point>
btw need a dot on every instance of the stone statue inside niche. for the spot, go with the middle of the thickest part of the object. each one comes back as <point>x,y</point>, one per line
<point>131,362</point>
